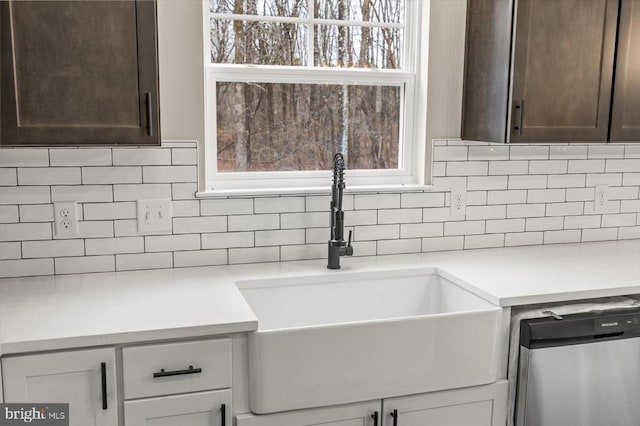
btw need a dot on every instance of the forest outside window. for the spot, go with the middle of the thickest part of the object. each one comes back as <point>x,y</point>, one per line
<point>292,82</point>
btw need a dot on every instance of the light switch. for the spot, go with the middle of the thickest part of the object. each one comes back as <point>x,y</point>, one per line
<point>154,216</point>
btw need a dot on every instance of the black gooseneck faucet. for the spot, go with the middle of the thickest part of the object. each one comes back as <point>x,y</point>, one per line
<point>337,245</point>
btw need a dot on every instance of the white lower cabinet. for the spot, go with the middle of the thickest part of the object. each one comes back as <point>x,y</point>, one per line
<point>361,414</point>
<point>194,409</point>
<point>85,379</point>
<point>477,406</point>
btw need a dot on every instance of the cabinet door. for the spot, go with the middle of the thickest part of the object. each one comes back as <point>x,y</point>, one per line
<point>361,414</point>
<point>70,377</point>
<point>563,70</point>
<point>78,72</point>
<point>193,409</point>
<point>625,118</point>
<point>477,406</point>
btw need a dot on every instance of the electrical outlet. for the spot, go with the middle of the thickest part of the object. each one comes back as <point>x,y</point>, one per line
<point>458,202</point>
<point>65,219</point>
<point>154,216</point>
<point>601,198</point>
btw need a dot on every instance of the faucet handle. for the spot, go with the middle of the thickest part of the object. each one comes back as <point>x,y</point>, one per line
<point>349,241</point>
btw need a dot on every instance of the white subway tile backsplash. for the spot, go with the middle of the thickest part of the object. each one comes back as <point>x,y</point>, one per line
<point>612,206</point>
<point>84,264</point>
<point>512,196</point>
<point>303,220</point>
<point>93,229</point>
<point>171,242</point>
<point>184,156</point>
<point>476,183</point>
<point>630,206</point>
<point>199,258</point>
<point>129,262</point>
<point>467,168</point>
<point>565,209</point>
<point>9,214</point>
<point>52,248</point>
<point>623,193</point>
<point>582,222</point>
<point>566,181</point>
<point>544,223</point>
<point>24,157</point>
<point>523,239</point>
<point>254,222</point>
<point>377,201</point>
<point>586,166</point>
<point>628,165</point>
<point>8,177</point>
<point>568,236</point>
<point>25,231</point>
<point>99,246</point>
<point>279,205</point>
<point>133,192</point>
<point>483,241</point>
<point>109,211</point>
<point>547,167</point>
<point>35,212</point>
<point>10,250</point>
<point>525,210</point>
<point>26,267</point>
<point>224,240</point>
<point>141,157</point>
<point>546,195</point>
<point>474,198</point>
<point>191,225</point>
<point>580,194</point>
<point>414,230</point>
<point>557,152</point>
<point>80,157</point>
<point>101,175</point>
<point>529,152</point>
<point>441,214</point>
<point>254,255</point>
<point>450,153</point>
<point>506,168</point>
<point>82,193</point>
<point>622,219</point>
<point>399,216</point>
<point>399,246</point>
<point>601,234</point>
<point>606,151</point>
<point>489,152</point>
<point>527,182</point>
<point>25,194</point>
<point>442,244</point>
<point>446,183</point>
<point>628,232</point>
<point>486,212</point>
<point>360,217</point>
<point>226,207</point>
<point>464,228</point>
<point>630,179</point>
<point>169,174</point>
<point>184,191</point>
<point>422,199</point>
<point>376,232</point>
<point>504,225</point>
<point>280,237</point>
<point>438,168</point>
<point>185,208</point>
<point>611,179</point>
<point>308,251</point>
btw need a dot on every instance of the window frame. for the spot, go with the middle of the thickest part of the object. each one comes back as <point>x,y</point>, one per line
<point>410,171</point>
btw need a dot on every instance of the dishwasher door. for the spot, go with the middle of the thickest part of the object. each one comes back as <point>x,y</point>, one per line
<point>587,384</point>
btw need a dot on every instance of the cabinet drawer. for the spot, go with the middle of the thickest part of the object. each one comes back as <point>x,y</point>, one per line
<point>176,368</point>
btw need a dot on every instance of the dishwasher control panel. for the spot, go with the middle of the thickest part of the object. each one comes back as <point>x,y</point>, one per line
<point>617,324</point>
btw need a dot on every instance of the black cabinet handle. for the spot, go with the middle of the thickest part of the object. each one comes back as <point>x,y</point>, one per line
<point>190,370</point>
<point>149,115</point>
<point>374,416</point>
<point>394,414</point>
<point>519,106</point>
<point>103,376</point>
<point>223,414</point>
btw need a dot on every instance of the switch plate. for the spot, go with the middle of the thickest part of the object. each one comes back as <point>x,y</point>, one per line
<point>154,216</point>
<point>601,198</point>
<point>458,203</point>
<point>65,219</point>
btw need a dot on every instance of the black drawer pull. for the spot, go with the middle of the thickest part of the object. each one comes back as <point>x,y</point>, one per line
<point>149,114</point>
<point>374,416</point>
<point>223,414</point>
<point>103,377</point>
<point>189,370</point>
<point>394,414</point>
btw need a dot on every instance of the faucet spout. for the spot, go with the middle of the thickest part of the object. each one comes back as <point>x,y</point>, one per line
<point>337,245</point>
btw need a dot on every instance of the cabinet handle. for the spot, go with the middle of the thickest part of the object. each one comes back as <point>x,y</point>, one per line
<point>394,414</point>
<point>149,115</point>
<point>103,375</point>
<point>190,370</point>
<point>374,416</point>
<point>519,106</point>
<point>223,414</point>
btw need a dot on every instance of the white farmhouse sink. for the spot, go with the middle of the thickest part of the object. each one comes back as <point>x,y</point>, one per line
<point>346,337</point>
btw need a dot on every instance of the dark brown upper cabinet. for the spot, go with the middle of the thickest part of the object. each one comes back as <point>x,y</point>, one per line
<point>78,73</point>
<point>625,112</point>
<point>539,70</point>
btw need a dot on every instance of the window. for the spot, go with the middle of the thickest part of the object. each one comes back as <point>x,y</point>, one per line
<point>292,82</point>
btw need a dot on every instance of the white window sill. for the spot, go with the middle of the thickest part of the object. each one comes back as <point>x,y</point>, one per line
<point>311,191</point>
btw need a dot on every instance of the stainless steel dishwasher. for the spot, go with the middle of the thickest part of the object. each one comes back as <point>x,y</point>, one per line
<point>580,370</point>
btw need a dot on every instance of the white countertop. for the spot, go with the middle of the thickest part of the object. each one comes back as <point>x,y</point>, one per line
<point>56,312</point>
